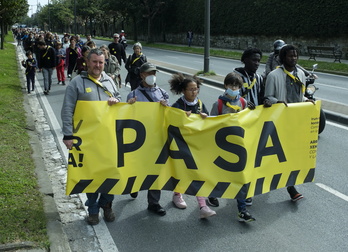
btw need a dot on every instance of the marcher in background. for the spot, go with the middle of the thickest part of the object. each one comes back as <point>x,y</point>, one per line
<point>29,43</point>
<point>101,88</point>
<point>133,64</point>
<point>30,70</point>
<point>190,103</point>
<point>46,64</point>
<point>112,68</point>
<point>148,91</point>
<point>81,63</point>
<point>91,44</point>
<point>189,37</point>
<point>117,49</point>
<point>66,42</point>
<point>232,102</point>
<point>60,52</point>
<point>88,39</point>
<point>72,53</point>
<point>123,39</point>
<point>79,42</point>
<point>49,39</point>
<point>273,59</point>
<point>19,38</point>
<point>286,84</point>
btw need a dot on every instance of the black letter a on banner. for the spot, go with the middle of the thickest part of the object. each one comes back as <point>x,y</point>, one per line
<point>183,152</point>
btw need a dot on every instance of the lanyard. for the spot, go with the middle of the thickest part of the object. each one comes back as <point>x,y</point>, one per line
<point>246,85</point>
<point>235,107</point>
<point>295,78</point>
<point>43,56</point>
<point>137,58</point>
<point>98,83</point>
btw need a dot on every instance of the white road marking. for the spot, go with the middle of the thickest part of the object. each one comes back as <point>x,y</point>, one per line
<point>337,125</point>
<point>327,85</point>
<point>333,191</point>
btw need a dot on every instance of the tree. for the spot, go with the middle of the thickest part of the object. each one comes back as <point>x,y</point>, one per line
<point>10,12</point>
<point>152,8</point>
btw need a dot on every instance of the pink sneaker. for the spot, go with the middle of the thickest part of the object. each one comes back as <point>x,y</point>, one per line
<point>178,201</point>
<point>205,212</point>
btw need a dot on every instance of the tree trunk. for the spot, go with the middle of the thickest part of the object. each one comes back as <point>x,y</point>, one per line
<point>149,32</point>
<point>2,33</point>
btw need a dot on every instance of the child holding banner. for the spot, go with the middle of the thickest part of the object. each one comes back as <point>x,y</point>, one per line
<point>189,102</point>
<point>232,102</point>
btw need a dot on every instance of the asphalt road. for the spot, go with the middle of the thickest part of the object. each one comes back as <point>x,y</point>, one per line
<point>316,223</point>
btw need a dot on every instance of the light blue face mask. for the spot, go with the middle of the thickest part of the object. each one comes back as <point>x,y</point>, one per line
<point>232,93</point>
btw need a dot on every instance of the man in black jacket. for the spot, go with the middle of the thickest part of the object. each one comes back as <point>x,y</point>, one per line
<point>47,63</point>
<point>117,49</point>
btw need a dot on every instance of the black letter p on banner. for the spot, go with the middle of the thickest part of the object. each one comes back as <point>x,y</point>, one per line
<point>122,148</point>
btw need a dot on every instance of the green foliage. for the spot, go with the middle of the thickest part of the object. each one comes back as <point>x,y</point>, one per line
<point>12,10</point>
<point>262,17</point>
<point>22,217</point>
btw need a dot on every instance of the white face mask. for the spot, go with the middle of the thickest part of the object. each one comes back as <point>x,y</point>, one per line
<point>150,80</point>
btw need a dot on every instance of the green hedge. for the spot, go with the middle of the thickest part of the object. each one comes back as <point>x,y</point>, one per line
<point>310,18</point>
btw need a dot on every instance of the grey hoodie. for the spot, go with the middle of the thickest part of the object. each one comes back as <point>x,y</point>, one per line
<point>81,88</point>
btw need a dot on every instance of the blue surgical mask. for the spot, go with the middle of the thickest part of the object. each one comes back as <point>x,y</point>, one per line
<point>232,93</point>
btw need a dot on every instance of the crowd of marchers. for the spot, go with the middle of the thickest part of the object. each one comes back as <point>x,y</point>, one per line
<point>94,75</point>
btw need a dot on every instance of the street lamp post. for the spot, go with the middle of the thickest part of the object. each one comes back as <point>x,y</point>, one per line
<point>207,36</point>
<point>49,15</point>
<point>75,25</point>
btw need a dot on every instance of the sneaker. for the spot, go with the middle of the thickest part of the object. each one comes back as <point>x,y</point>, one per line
<point>109,215</point>
<point>69,76</point>
<point>63,83</point>
<point>213,202</point>
<point>245,216</point>
<point>294,194</point>
<point>206,212</point>
<point>134,195</point>
<point>93,219</point>
<point>58,83</point>
<point>296,197</point>
<point>249,201</point>
<point>178,201</point>
<point>45,92</point>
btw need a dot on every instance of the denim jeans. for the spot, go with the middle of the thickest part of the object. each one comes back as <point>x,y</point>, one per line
<point>47,76</point>
<point>241,205</point>
<point>94,204</point>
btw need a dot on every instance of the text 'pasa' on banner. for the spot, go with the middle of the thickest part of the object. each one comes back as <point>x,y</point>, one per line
<point>125,148</point>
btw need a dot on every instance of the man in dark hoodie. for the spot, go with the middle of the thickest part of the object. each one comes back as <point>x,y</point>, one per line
<point>47,63</point>
<point>253,86</point>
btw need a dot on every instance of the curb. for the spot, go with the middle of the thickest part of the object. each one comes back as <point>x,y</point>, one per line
<point>55,231</point>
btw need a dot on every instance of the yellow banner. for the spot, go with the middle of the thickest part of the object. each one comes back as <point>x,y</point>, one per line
<point>125,148</point>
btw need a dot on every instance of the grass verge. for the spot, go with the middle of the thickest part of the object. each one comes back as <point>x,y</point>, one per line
<point>22,216</point>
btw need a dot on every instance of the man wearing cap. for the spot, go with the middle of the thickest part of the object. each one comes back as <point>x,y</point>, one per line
<point>149,92</point>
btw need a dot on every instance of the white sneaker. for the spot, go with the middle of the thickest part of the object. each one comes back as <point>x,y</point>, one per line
<point>178,201</point>
<point>205,212</point>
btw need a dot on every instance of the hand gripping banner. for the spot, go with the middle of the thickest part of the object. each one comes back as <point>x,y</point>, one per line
<point>126,148</point>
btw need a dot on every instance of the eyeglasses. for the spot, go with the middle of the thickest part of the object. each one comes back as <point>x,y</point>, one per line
<point>116,37</point>
<point>193,90</point>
